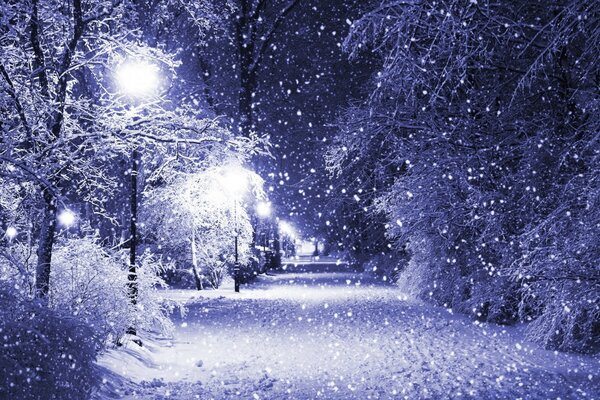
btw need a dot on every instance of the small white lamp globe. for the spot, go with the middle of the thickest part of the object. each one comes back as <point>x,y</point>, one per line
<point>263,209</point>
<point>235,180</point>
<point>11,232</point>
<point>137,78</point>
<point>67,218</point>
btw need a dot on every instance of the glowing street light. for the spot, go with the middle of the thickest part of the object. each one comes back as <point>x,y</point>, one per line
<point>11,233</point>
<point>235,181</point>
<point>137,78</point>
<point>67,218</point>
<point>263,209</point>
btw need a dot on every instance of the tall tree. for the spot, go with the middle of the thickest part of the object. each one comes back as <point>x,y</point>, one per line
<point>477,143</point>
<point>256,23</point>
<point>46,47</point>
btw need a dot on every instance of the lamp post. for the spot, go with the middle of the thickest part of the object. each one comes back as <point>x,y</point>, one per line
<point>236,265</point>
<point>235,181</point>
<point>137,80</point>
<point>288,236</point>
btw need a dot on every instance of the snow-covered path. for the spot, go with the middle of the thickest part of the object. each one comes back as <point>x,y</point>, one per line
<point>312,333</point>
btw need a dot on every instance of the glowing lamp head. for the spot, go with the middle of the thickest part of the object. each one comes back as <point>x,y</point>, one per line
<point>235,181</point>
<point>263,209</point>
<point>11,232</point>
<point>67,218</point>
<point>137,78</point>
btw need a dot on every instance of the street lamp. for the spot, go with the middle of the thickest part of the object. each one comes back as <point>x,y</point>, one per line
<point>138,79</point>
<point>263,209</point>
<point>67,218</point>
<point>288,234</point>
<point>10,233</point>
<point>235,182</point>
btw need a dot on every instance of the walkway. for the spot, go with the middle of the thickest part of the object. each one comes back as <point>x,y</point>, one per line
<point>316,331</point>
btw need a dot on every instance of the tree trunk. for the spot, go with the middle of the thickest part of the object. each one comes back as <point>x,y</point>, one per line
<point>195,264</point>
<point>276,251</point>
<point>246,45</point>
<point>247,89</point>
<point>45,244</point>
<point>132,276</point>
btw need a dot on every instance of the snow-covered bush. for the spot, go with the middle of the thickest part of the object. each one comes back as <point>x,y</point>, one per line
<point>152,310</point>
<point>18,257</point>
<point>44,354</point>
<point>569,316</point>
<point>215,267</point>
<point>91,283</point>
<point>17,267</point>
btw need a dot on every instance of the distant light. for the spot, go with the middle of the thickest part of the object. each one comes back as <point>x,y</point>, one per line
<point>263,209</point>
<point>287,229</point>
<point>67,218</point>
<point>11,232</point>
<point>137,78</point>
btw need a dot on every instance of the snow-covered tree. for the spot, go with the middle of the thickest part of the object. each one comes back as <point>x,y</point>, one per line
<point>48,117</point>
<point>197,216</point>
<point>478,144</point>
<point>64,119</point>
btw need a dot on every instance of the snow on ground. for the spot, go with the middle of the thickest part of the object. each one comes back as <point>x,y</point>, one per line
<point>315,331</point>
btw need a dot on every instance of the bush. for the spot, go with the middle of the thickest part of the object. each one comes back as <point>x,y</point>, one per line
<point>17,266</point>
<point>44,355</point>
<point>180,278</point>
<point>248,271</point>
<point>569,319</point>
<point>91,283</point>
<point>215,271</point>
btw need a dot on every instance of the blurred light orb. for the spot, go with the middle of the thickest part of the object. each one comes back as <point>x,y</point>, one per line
<point>67,218</point>
<point>235,180</point>
<point>137,78</point>
<point>287,229</point>
<point>263,209</point>
<point>11,232</point>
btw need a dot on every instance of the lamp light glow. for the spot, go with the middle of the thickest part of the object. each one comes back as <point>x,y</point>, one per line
<point>137,78</point>
<point>67,218</point>
<point>11,232</point>
<point>287,229</point>
<point>263,209</point>
<point>235,180</point>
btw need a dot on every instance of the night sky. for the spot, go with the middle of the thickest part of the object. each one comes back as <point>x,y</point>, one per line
<point>305,81</point>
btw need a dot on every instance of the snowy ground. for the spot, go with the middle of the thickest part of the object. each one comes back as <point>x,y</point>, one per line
<point>314,332</point>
